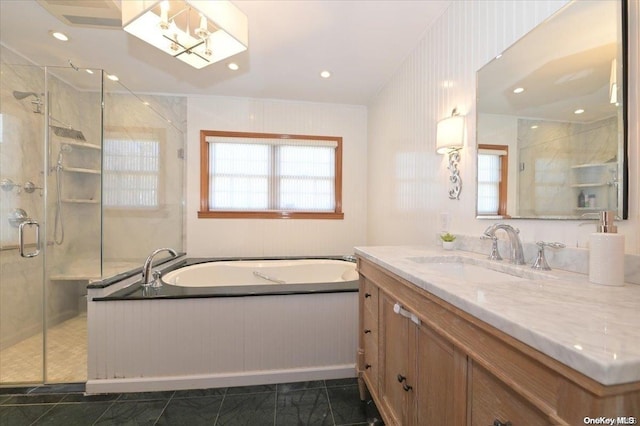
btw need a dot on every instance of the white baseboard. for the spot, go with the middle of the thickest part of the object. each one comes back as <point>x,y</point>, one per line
<point>204,381</point>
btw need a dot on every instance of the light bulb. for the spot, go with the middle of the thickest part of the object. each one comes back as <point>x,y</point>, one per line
<point>164,12</point>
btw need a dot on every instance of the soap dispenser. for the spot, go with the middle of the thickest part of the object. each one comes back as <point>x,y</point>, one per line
<point>606,252</point>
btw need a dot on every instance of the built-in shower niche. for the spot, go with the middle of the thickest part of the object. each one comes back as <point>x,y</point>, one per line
<point>80,171</point>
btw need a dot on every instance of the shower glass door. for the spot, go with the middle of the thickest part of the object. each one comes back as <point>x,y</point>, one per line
<point>50,218</point>
<point>23,223</point>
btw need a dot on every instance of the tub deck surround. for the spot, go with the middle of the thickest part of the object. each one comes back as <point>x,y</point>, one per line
<point>178,337</point>
<point>169,291</point>
<point>591,328</point>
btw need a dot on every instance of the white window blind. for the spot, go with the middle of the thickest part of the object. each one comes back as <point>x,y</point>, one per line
<point>131,173</point>
<point>489,172</point>
<point>271,174</point>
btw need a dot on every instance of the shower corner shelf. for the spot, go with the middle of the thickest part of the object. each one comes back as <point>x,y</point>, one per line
<point>80,201</point>
<point>81,170</point>
<point>83,145</point>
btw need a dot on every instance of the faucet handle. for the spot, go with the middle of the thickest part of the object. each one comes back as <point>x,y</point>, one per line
<point>495,254</point>
<point>541,260</point>
<point>157,281</point>
<point>543,244</point>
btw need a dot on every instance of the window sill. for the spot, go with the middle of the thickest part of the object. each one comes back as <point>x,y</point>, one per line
<point>269,215</point>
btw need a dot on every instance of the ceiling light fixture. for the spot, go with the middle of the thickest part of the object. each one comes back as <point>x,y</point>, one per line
<point>578,111</point>
<point>325,74</point>
<point>197,32</point>
<point>233,66</point>
<point>59,36</point>
<point>89,71</point>
<point>518,90</point>
<point>113,77</point>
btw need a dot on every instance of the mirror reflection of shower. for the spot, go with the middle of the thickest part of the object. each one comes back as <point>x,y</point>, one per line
<point>58,225</point>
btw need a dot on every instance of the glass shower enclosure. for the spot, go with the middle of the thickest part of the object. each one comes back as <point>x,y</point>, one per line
<point>50,217</point>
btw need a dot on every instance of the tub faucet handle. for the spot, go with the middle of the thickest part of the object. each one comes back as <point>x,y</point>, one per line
<point>157,279</point>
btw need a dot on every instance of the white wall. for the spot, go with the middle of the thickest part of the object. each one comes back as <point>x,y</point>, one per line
<point>276,237</point>
<point>407,181</point>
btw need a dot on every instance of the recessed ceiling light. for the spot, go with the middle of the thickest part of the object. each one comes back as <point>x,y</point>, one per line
<point>58,35</point>
<point>578,111</point>
<point>89,71</point>
<point>499,56</point>
<point>145,103</point>
<point>325,74</point>
<point>518,90</point>
<point>233,66</point>
<point>112,77</point>
<point>535,126</point>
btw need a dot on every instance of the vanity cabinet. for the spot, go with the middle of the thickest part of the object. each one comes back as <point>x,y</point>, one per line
<point>426,362</point>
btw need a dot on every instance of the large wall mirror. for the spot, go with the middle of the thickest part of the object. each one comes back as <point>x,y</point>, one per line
<point>551,123</point>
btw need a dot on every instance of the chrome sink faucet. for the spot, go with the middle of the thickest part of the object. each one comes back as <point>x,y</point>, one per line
<point>517,255</point>
<point>149,279</point>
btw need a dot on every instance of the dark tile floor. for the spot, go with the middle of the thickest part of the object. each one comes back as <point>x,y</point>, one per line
<point>322,402</point>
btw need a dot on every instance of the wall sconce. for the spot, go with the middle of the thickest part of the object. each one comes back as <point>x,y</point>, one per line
<point>613,82</point>
<point>198,32</point>
<point>449,140</point>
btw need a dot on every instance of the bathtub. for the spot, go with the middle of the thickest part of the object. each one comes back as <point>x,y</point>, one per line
<point>262,272</point>
<point>222,322</point>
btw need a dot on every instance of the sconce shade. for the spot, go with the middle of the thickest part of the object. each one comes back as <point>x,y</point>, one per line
<point>198,32</point>
<point>613,82</point>
<point>450,134</point>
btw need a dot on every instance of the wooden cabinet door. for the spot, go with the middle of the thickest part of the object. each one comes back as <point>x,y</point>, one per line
<point>394,362</point>
<point>492,400</point>
<point>434,389</point>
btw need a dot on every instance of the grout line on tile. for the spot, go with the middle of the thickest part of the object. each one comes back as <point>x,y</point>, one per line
<point>326,392</point>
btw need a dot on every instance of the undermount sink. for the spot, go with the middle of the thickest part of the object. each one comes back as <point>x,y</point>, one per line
<point>476,270</point>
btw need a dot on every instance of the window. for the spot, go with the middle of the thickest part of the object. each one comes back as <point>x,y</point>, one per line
<point>263,175</point>
<point>132,170</point>
<point>492,179</point>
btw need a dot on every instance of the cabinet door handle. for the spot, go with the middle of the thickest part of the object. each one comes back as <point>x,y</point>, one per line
<point>401,378</point>
<point>367,331</point>
<point>367,366</point>
<point>407,388</point>
<point>497,422</point>
<point>366,295</point>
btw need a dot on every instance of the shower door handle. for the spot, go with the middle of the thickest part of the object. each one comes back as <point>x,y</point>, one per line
<point>28,222</point>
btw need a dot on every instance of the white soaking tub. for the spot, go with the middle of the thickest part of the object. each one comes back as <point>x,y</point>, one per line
<point>262,272</point>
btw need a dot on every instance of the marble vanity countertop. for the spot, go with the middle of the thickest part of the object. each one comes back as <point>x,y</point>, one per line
<point>591,328</point>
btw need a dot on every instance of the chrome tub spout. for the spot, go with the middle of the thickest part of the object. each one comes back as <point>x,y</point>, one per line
<point>149,278</point>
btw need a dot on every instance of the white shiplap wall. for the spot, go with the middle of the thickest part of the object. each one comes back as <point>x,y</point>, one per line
<point>145,345</point>
<point>275,237</point>
<point>407,181</point>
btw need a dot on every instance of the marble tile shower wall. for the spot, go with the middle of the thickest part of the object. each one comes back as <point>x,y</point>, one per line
<point>407,180</point>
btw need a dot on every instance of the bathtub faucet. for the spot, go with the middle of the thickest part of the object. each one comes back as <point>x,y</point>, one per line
<point>150,279</point>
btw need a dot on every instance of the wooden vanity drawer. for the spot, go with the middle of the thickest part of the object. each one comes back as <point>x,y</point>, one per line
<point>370,296</point>
<point>492,400</point>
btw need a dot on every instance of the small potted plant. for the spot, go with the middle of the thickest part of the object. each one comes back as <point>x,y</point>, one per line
<point>448,241</point>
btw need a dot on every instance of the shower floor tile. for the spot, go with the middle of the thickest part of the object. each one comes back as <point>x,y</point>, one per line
<point>66,361</point>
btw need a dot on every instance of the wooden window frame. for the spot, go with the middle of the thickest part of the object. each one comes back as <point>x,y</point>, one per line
<point>504,173</point>
<point>205,213</point>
